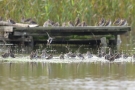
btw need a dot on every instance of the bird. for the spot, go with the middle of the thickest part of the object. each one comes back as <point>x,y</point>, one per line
<point>80,55</point>
<point>34,54</point>
<point>48,23</point>
<point>28,21</point>
<point>64,24</point>
<point>70,24</point>
<point>12,54</point>
<point>117,22</point>
<point>77,21</point>
<point>71,55</point>
<point>124,56</point>
<point>11,21</point>
<point>68,48</point>
<point>1,19</point>
<point>79,24</point>
<point>123,22</point>
<point>43,54</point>
<point>100,53</point>
<point>23,20</point>
<point>108,23</point>
<point>89,55</point>
<point>83,23</point>
<point>49,40</point>
<point>117,55</point>
<point>133,57</point>
<point>6,54</point>
<point>50,56</point>
<point>32,22</point>
<point>61,55</point>
<point>57,24</point>
<point>101,22</point>
<point>110,56</point>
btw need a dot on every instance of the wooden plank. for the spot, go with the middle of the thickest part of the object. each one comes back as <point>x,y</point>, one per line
<point>87,30</point>
<point>6,44</point>
<point>5,23</point>
<point>6,28</point>
<point>18,33</point>
<point>70,29</point>
<point>21,25</point>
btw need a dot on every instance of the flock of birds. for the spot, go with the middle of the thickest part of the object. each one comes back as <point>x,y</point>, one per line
<point>50,23</point>
<point>102,22</point>
<point>110,56</point>
<point>77,22</point>
<point>44,55</point>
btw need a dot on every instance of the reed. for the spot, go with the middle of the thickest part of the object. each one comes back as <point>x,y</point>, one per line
<point>65,10</point>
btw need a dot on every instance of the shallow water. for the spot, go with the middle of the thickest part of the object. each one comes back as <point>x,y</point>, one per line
<point>65,76</point>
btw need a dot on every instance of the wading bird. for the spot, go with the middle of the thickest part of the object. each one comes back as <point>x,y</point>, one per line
<point>28,21</point>
<point>49,40</point>
<point>50,56</point>
<point>48,23</point>
<point>61,55</point>
<point>117,22</point>
<point>108,23</point>
<point>77,21</point>
<point>70,24</point>
<point>11,21</point>
<point>123,22</point>
<point>101,22</point>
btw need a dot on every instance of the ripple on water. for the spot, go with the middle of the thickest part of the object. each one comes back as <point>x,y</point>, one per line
<point>90,84</point>
<point>67,60</point>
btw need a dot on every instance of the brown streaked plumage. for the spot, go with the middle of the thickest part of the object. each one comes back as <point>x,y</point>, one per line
<point>101,22</point>
<point>77,21</point>
<point>1,19</point>
<point>11,21</point>
<point>64,24</point>
<point>50,56</point>
<point>117,22</point>
<point>123,22</point>
<point>108,23</point>
<point>48,23</point>
<point>28,21</point>
<point>61,55</point>
<point>84,23</point>
<point>70,24</point>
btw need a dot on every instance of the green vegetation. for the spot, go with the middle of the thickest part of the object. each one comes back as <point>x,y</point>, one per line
<point>65,10</point>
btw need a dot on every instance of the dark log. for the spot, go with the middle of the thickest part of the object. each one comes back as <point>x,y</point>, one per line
<point>62,31</point>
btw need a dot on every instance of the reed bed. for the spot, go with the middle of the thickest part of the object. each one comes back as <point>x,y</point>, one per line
<point>65,10</point>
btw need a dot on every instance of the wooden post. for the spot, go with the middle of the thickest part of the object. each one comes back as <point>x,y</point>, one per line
<point>118,42</point>
<point>23,39</point>
<point>115,40</point>
<point>31,44</point>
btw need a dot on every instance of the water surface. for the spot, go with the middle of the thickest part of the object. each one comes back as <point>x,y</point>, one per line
<point>67,76</point>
